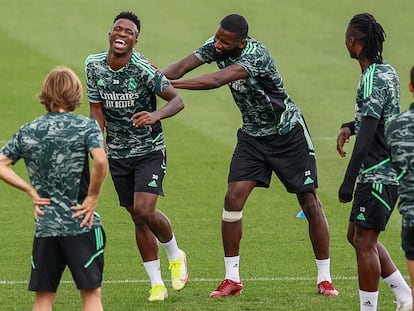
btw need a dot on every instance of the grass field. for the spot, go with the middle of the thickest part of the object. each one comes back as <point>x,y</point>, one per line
<point>306,39</point>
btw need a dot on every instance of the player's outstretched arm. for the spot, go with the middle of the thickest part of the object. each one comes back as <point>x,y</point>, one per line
<point>212,80</point>
<point>178,69</point>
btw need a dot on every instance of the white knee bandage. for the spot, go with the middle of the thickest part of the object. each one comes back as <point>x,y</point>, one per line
<point>231,216</point>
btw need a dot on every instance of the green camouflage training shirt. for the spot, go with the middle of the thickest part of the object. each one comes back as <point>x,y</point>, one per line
<point>123,93</point>
<point>265,106</point>
<point>399,133</point>
<point>54,148</point>
<point>378,96</point>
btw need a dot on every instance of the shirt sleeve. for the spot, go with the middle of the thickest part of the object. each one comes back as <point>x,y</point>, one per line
<point>159,82</point>
<point>374,96</point>
<point>150,76</point>
<point>94,137</point>
<point>12,149</point>
<point>205,53</point>
<point>91,87</point>
<point>251,62</point>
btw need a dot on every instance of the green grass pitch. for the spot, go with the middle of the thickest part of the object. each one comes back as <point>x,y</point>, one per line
<point>306,39</point>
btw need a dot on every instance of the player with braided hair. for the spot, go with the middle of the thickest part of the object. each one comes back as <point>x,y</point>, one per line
<point>377,101</point>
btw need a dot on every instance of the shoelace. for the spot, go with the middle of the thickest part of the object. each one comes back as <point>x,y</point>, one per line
<point>327,285</point>
<point>156,289</point>
<point>223,285</point>
<point>175,267</point>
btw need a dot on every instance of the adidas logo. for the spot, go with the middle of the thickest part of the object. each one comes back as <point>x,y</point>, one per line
<point>153,184</point>
<point>393,286</point>
<point>308,181</point>
<point>367,304</point>
<point>361,216</point>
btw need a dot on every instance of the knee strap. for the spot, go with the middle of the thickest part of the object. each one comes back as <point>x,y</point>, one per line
<point>231,216</point>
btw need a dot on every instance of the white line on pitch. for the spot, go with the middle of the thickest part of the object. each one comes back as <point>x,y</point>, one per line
<point>201,280</point>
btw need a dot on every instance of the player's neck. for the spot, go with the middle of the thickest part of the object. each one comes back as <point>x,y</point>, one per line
<point>58,110</point>
<point>117,62</point>
<point>364,63</point>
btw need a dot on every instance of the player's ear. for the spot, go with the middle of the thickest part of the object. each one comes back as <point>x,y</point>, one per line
<point>242,43</point>
<point>411,87</point>
<point>351,41</point>
<point>136,37</point>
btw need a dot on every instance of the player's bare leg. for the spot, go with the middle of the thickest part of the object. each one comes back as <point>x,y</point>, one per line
<point>44,301</point>
<point>370,252</point>
<point>231,230</point>
<point>153,225</point>
<point>319,235</point>
<point>91,299</point>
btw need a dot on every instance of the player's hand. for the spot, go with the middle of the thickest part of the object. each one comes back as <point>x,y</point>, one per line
<point>86,209</point>
<point>343,137</point>
<point>37,202</point>
<point>143,118</point>
<point>106,147</point>
<point>346,190</point>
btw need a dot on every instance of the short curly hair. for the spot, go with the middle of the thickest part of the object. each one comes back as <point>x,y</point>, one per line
<point>131,16</point>
<point>237,24</point>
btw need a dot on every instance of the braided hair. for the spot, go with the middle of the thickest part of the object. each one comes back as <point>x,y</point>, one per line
<point>365,27</point>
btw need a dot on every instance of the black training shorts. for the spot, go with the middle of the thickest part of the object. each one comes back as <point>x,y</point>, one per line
<point>82,253</point>
<point>373,205</point>
<point>138,174</point>
<point>290,156</point>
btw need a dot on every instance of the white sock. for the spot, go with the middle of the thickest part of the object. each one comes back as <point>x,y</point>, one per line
<point>232,265</point>
<point>399,286</point>
<point>232,268</point>
<point>324,270</point>
<point>368,301</point>
<point>171,248</point>
<point>153,269</point>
